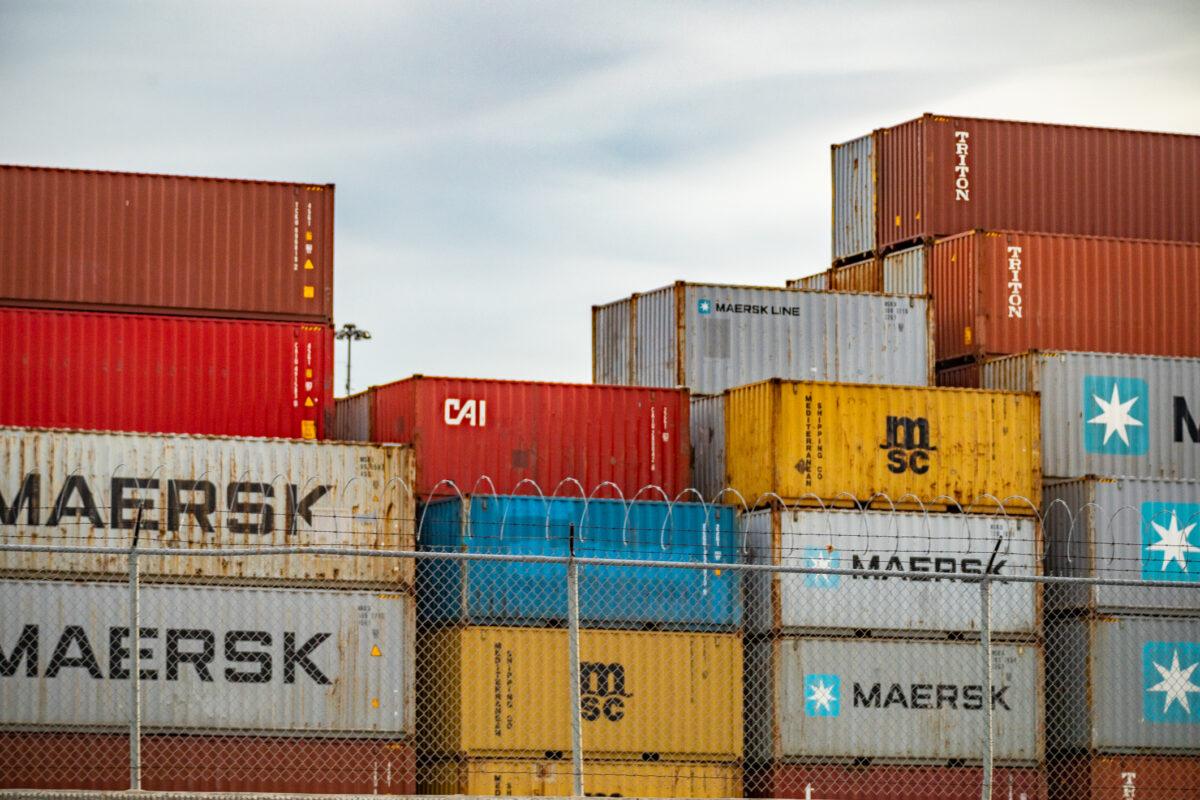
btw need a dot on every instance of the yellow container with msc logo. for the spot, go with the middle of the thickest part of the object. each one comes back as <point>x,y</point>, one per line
<point>890,446</point>
<point>552,778</point>
<point>506,691</point>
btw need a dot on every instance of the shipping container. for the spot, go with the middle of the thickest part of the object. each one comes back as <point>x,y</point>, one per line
<point>901,272</point>
<point>816,282</point>
<point>896,701</point>
<point>1110,414</point>
<point>707,423</point>
<point>889,782</point>
<point>1128,530</point>
<point>519,593</point>
<point>1127,777</point>
<point>553,778</point>
<point>960,376</point>
<point>157,374</point>
<point>938,175</point>
<point>190,763</point>
<point>892,447</point>
<point>166,244</point>
<point>903,544</point>
<point>213,659</point>
<point>498,436</point>
<point>83,489</point>
<point>1123,684</point>
<point>711,337</point>
<point>653,696</point>
<point>1002,292</point>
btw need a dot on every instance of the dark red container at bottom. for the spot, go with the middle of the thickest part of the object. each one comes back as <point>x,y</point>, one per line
<point>1128,776</point>
<point>886,782</point>
<point>195,763</point>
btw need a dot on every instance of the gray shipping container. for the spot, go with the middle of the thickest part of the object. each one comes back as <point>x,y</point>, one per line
<point>1108,414</point>
<point>707,422</point>
<point>905,271</point>
<point>214,658</point>
<point>890,701</point>
<point>1129,529</point>
<point>1124,684</point>
<point>900,542</point>
<point>710,338</point>
<point>901,272</point>
<point>854,186</point>
<point>818,282</point>
<point>82,488</point>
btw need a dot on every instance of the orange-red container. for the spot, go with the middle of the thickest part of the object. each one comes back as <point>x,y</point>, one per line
<point>467,431</point>
<point>836,782</point>
<point>1119,777</point>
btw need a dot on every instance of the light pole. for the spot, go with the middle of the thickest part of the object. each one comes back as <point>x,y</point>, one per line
<point>351,333</point>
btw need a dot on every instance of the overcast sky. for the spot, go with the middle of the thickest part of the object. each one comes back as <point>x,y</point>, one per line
<point>501,167</point>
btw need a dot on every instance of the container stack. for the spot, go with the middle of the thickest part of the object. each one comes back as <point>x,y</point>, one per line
<point>139,311</point>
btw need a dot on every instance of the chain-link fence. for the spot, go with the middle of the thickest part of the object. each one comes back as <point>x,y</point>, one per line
<point>532,645</point>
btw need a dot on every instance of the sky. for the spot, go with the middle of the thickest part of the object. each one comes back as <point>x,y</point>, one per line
<point>501,167</point>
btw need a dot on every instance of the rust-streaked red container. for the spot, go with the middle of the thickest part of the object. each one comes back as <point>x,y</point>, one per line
<point>886,782</point>
<point>939,175</point>
<point>960,376</point>
<point>166,244</point>
<point>99,762</point>
<point>1120,777</point>
<point>512,431</point>
<point>1003,292</point>
<point>158,374</point>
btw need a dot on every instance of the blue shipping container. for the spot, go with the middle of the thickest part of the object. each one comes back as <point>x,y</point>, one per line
<point>507,593</point>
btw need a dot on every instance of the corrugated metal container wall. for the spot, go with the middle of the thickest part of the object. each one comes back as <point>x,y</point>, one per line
<point>930,448</point>
<point>1158,436</point>
<point>853,197</point>
<point>1000,293</point>
<point>612,359</point>
<point>962,376</point>
<point>223,658</point>
<point>899,701</point>
<point>864,276</point>
<point>138,372</point>
<point>553,778</point>
<point>629,681</point>
<point>711,337</point>
<point>904,271</point>
<point>1121,684</point>
<point>708,445</point>
<point>903,542</point>
<point>76,489</point>
<point>186,763</point>
<point>1133,777</point>
<point>1124,529</point>
<point>884,782</point>
<point>352,417</point>
<point>498,592</point>
<point>166,244</point>
<point>817,282</point>
<point>470,431</point>
<point>940,175</point>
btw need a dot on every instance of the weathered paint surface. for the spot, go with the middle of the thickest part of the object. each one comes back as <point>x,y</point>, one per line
<point>504,691</point>
<point>553,778</point>
<point>708,446</point>
<point>884,782</point>
<point>840,443</point>
<point>219,658</point>
<point>75,488</point>
<point>1127,777</point>
<point>899,542</point>
<point>853,197</point>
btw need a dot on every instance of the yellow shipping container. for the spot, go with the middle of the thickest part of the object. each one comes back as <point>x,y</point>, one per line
<point>510,777</point>
<point>505,691</point>
<point>836,443</point>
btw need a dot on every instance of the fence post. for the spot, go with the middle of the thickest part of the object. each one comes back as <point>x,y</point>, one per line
<point>135,662</point>
<point>985,641</point>
<point>573,656</point>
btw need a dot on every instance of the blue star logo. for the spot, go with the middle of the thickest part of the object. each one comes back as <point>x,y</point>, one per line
<point>822,695</point>
<point>1116,415</point>
<point>1170,688</point>
<point>704,306</point>
<point>821,558</point>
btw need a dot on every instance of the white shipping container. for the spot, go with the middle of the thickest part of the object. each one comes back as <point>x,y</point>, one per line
<point>1109,414</point>
<point>891,701</point>
<point>213,658</point>
<point>82,489</point>
<point>710,338</point>
<point>898,542</point>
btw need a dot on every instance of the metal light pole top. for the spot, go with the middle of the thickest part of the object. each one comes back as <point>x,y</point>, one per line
<point>351,333</point>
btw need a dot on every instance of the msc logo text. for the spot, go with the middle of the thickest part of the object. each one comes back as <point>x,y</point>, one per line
<point>602,691</point>
<point>906,440</point>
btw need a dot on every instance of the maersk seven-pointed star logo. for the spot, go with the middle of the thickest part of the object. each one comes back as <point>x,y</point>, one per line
<point>704,306</point>
<point>821,558</point>
<point>1171,542</point>
<point>822,695</point>
<point>1116,413</point>
<point>1170,681</point>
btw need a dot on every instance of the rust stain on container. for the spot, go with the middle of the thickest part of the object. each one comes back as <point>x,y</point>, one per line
<point>166,244</point>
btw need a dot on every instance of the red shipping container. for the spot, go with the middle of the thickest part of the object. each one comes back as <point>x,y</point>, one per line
<point>466,430</point>
<point>119,241</point>
<point>1128,776</point>
<point>960,376</point>
<point>155,374</point>
<point>940,175</point>
<point>1002,292</point>
<point>191,763</point>
<point>838,782</point>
